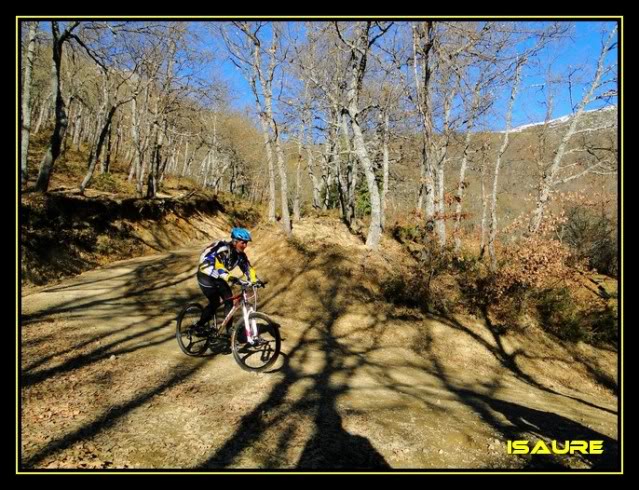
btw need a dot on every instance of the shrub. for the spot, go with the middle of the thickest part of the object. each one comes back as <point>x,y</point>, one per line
<point>242,213</point>
<point>604,325</point>
<point>105,182</point>
<point>536,262</point>
<point>432,287</point>
<point>363,199</point>
<point>406,233</point>
<point>407,291</point>
<point>593,237</point>
<point>571,318</point>
<point>559,314</point>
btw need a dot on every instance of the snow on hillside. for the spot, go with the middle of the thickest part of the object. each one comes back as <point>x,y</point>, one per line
<point>559,120</point>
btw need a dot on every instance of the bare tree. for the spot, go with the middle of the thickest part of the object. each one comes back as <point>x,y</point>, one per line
<point>555,173</point>
<point>423,42</point>
<point>298,172</point>
<point>61,121</point>
<point>359,44</point>
<point>26,100</point>
<point>112,101</point>
<point>267,84</point>
<point>247,58</point>
<point>492,233</point>
<point>307,140</point>
<point>316,62</point>
<point>475,108</point>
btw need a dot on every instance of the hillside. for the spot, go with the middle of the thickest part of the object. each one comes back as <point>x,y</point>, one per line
<point>363,384</point>
<point>63,234</point>
<point>520,173</point>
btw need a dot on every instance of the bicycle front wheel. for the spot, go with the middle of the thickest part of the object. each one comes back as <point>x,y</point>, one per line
<point>191,341</point>
<point>256,358</point>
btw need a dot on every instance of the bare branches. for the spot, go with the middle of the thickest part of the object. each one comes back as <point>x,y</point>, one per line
<point>90,52</point>
<point>382,30</point>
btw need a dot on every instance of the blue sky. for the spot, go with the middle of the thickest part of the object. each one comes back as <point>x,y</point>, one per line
<point>581,52</point>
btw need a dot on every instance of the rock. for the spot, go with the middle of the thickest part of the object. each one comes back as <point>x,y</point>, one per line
<point>112,358</point>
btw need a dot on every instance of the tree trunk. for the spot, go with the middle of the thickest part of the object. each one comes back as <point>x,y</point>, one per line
<point>327,174</point>
<point>186,161</point>
<point>286,219</point>
<point>385,168</point>
<point>484,212</point>
<point>139,162</point>
<point>271,170</point>
<point>26,102</point>
<point>154,171</point>
<point>118,138</point>
<point>428,188</point>
<point>440,209</point>
<point>135,133</point>
<point>351,172</point>
<point>459,198</point>
<point>44,109</point>
<point>77,127</point>
<point>61,121</point>
<point>296,199</point>
<point>95,155</point>
<point>106,162</point>
<point>461,185</point>
<point>204,168</point>
<point>311,173</point>
<point>423,42</point>
<point>281,164</point>
<point>339,147</point>
<point>493,201</point>
<point>375,228</point>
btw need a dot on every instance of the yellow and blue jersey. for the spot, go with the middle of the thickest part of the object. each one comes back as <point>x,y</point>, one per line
<point>220,258</point>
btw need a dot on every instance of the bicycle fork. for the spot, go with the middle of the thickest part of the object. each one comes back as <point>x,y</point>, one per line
<point>249,324</point>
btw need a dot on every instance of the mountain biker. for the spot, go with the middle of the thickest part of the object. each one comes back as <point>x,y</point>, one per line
<point>214,276</point>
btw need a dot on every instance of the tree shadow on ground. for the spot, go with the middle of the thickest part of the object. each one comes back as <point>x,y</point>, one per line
<point>330,446</point>
<point>108,419</point>
<point>509,360</point>
<point>148,277</point>
<point>155,312</point>
<point>526,421</point>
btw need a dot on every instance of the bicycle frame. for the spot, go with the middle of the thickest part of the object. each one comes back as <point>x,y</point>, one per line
<point>241,300</point>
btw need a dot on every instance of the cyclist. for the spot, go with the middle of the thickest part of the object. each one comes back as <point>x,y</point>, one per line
<point>214,276</point>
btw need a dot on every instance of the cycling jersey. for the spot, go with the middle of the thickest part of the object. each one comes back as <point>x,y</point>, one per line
<point>220,258</point>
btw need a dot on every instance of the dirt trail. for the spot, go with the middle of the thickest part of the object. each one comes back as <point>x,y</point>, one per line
<point>361,385</point>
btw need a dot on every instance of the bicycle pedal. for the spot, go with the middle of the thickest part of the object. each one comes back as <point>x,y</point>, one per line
<point>200,332</point>
<point>258,342</point>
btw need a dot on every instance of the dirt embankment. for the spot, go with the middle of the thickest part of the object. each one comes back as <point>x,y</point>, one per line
<point>62,234</point>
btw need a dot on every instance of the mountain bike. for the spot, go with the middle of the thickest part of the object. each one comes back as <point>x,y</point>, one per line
<point>254,340</point>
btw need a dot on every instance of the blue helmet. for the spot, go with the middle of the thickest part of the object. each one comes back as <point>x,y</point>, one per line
<point>241,234</point>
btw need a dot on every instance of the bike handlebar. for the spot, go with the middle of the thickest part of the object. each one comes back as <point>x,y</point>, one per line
<point>258,284</point>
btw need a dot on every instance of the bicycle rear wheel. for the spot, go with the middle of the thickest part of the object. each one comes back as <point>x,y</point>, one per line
<point>262,356</point>
<point>191,341</point>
